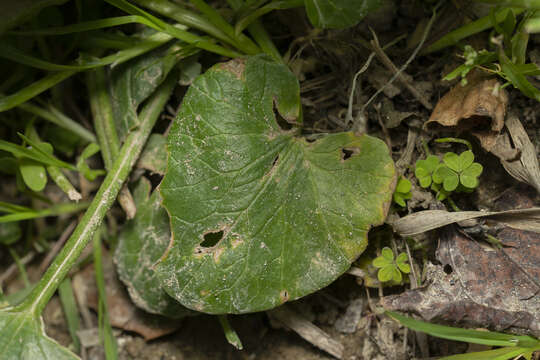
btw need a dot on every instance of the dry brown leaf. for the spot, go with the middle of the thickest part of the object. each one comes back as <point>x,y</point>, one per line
<point>517,153</point>
<point>122,313</point>
<point>478,107</point>
<point>422,221</point>
<point>303,327</point>
<point>477,286</point>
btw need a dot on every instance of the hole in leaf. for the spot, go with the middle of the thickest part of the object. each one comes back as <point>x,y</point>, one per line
<point>212,238</point>
<point>346,153</point>
<point>448,269</point>
<point>283,124</point>
<point>276,159</point>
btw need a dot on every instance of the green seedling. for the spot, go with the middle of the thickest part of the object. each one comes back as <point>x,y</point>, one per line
<point>511,346</point>
<point>402,192</point>
<point>390,268</point>
<point>424,170</point>
<point>458,170</point>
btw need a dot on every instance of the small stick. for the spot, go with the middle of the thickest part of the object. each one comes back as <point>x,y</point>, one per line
<point>56,247</point>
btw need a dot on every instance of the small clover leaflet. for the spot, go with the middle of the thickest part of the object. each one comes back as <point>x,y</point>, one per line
<point>402,192</point>
<point>424,170</point>
<point>458,170</point>
<point>390,269</point>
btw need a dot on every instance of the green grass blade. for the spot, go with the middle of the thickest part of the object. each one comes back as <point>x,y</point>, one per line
<point>184,16</point>
<point>249,18</point>
<point>105,328</point>
<point>472,28</point>
<point>56,117</point>
<point>55,210</point>
<point>13,208</point>
<point>528,4</point>
<point>183,35</point>
<point>240,41</point>
<point>37,149</point>
<point>466,335</point>
<point>65,291</point>
<point>497,354</point>
<point>83,26</point>
<point>34,89</point>
<point>49,81</point>
<point>34,154</point>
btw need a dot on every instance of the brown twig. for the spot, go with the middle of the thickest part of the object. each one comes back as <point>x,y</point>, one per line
<point>56,247</point>
<point>385,60</point>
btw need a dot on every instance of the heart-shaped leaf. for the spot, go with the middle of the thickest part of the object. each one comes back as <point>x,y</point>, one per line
<point>259,216</point>
<point>23,338</point>
<point>140,245</point>
<point>338,14</point>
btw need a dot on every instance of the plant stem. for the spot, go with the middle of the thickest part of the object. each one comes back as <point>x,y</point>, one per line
<point>101,203</point>
<point>103,118</point>
<point>455,140</point>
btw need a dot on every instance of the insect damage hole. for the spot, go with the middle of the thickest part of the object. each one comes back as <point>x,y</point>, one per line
<point>211,238</point>
<point>346,153</point>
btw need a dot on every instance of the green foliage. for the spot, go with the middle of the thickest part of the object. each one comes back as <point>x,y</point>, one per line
<point>338,14</point>
<point>424,170</point>
<point>236,182</point>
<point>390,268</point>
<point>514,346</point>
<point>402,192</point>
<point>142,242</point>
<point>457,170</point>
<point>455,173</point>
<point>23,338</point>
<point>508,57</point>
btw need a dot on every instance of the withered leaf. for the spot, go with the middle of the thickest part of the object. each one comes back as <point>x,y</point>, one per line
<point>517,153</point>
<point>475,286</point>
<point>478,107</point>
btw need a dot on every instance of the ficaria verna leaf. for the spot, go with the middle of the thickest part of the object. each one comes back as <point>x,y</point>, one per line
<point>259,216</point>
<point>23,338</point>
<point>140,245</point>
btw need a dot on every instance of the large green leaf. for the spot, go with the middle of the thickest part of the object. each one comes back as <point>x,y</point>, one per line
<point>289,216</point>
<point>22,338</point>
<point>338,14</point>
<point>140,245</point>
<point>134,81</point>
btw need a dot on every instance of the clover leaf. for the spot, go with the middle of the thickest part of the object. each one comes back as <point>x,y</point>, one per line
<point>424,170</point>
<point>402,192</point>
<point>390,269</point>
<point>458,170</point>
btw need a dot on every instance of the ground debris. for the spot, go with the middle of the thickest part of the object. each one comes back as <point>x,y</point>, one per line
<point>478,107</point>
<point>478,286</point>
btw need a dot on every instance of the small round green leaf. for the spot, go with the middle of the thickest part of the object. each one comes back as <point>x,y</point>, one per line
<point>403,185</point>
<point>388,254</point>
<point>396,274</point>
<point>402,261</point>
<point>468,181</point>
<point>33,174</point>
<point>452,160</point>
<point>466,158</point>
<point>475,169</point>
<point>451,182</point>
<point>258,215</point>
<point>380,262</point>
<point>441,173</point>
<point>386,273</point>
